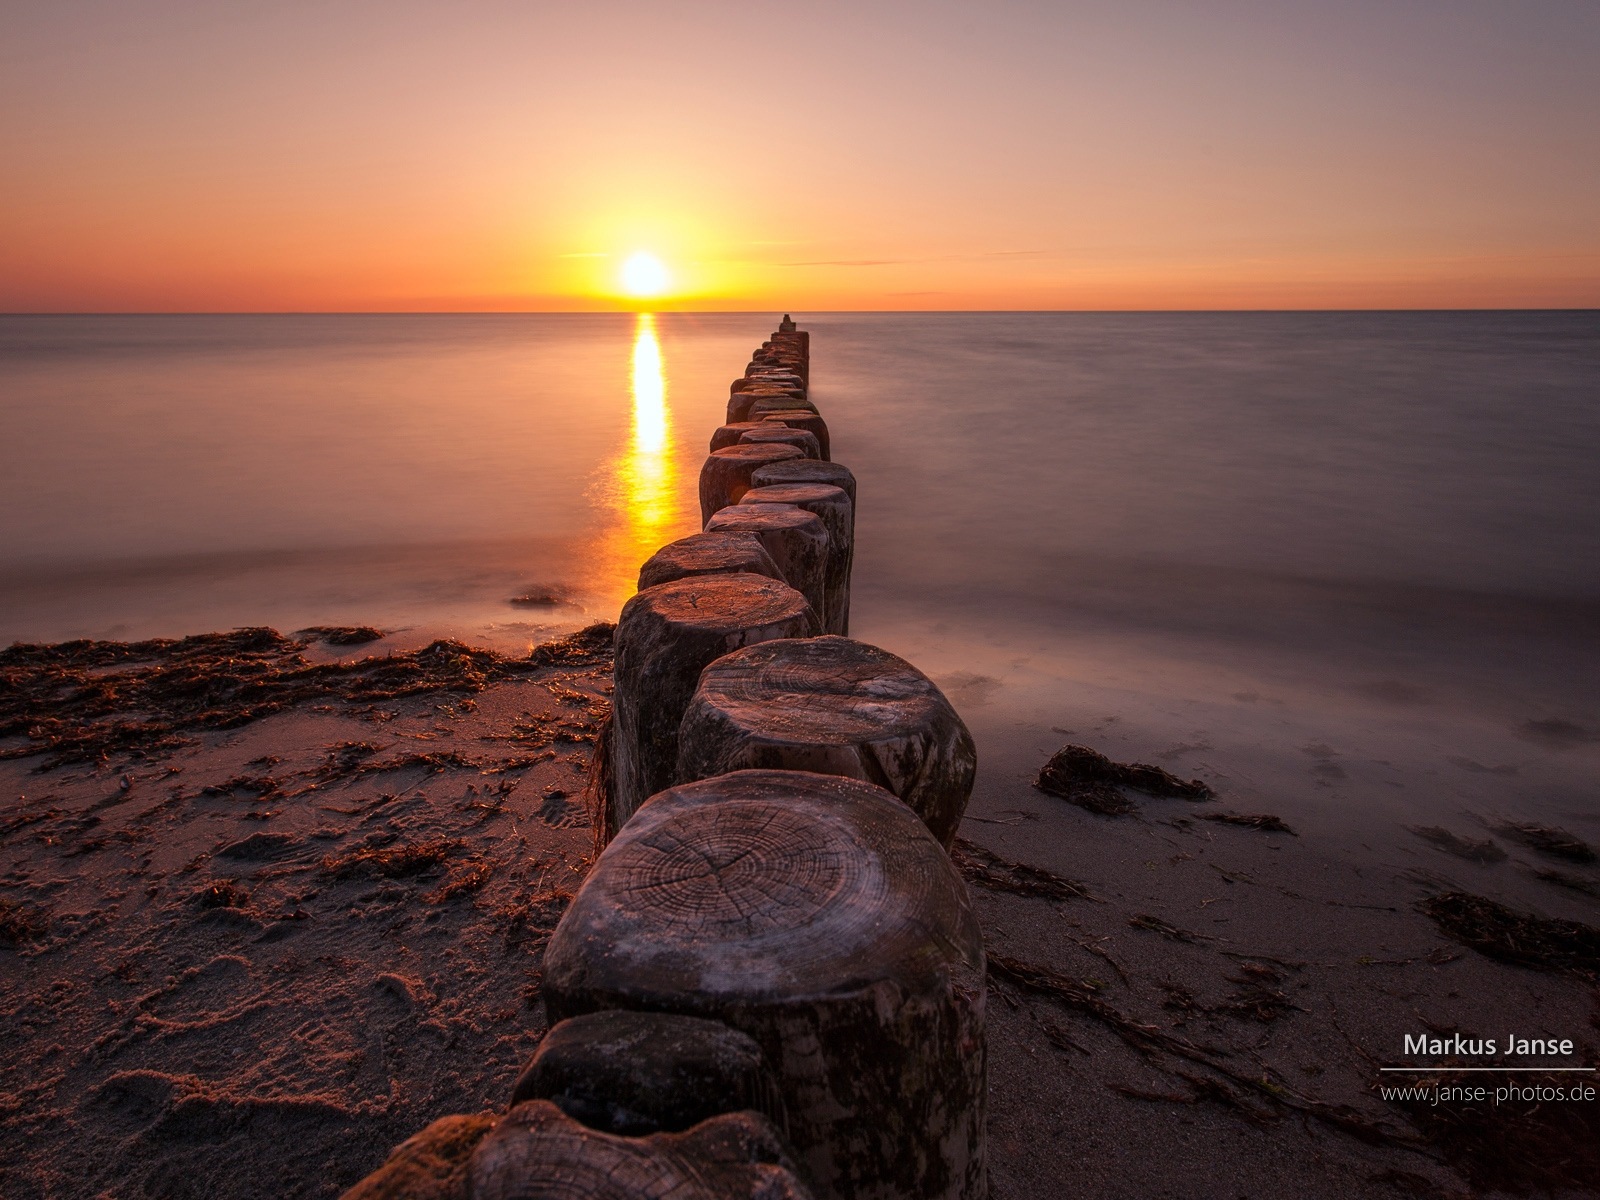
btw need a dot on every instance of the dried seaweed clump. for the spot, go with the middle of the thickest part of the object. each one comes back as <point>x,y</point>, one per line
<point>1483,851</point>
<point>1518,1145</point>
<point>19,925</point>
<point>1265,822</point>
<point>1090,780</point>
<point>587,647</point>
<point>990,871</point>
<point>343,635</point>
<point>1548,840</point>
<point>82,701</point>
<point>1492,929</point>
<point>391,862</point>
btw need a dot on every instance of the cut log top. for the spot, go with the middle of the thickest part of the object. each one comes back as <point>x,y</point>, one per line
<point>796,494</point>
<point>763,403</point>
<point>822,689</point>
<point>729,434</point>
<point>725,553</point>
<point>760,455</point>
<point>805,470</point>
<point>800,418</point>
<point>834,705</point>
<point>759,517</point>
<point>724,603</point>
<point>537,1152</point>
<point>776,883</point>
<point>781,435</point>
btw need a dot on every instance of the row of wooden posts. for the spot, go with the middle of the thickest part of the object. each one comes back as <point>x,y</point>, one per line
<point>771,983</point>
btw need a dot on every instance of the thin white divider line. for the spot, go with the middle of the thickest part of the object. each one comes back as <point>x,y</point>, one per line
<point>1453,1070</point>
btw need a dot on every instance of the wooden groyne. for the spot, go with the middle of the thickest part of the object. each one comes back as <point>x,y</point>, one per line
<point>771,984</point>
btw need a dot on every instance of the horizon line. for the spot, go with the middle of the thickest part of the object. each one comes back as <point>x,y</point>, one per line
<point>623,312</point>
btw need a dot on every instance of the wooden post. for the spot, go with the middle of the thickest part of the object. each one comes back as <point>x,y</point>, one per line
<point>740,403</point>
<point>819,916</point>
<point>762,404</point>
<point>783,435</point>
<point>728,435</point>
<point>665,637</point>
<point>726,473</point>
<point>537,1152</point>
<point>640,1073</point>
<point>799,418</point>
<point>804,470</point>
<point>797,541</point>
<point>708,554</point>
<point>837,707</point>
<point>832,507</point>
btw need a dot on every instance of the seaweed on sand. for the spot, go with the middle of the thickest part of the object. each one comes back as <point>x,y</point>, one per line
<point>1518,1144</point>
<point>990,871</point>
<point>1573,883</point>
<point>19,925</point>
<point>1548,840</point>
<point>83,701</point>
<point>1502,933</point>
<point>1226,1084</point>
<point>343,635</point>
<point>1473,850</point>
<point>1265,822</point>
<point>391,862</point>
<point>1090,780</point>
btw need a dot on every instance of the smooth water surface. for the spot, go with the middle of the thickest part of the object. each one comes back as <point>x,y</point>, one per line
<point>1283,548</point>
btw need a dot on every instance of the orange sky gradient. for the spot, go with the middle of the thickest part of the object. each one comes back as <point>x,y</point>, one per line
<point>476,156</point>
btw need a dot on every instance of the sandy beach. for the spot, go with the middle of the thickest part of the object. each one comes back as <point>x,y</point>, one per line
<point>259,930</point>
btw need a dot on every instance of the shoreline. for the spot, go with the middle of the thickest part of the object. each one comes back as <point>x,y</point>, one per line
<point>216,956</point>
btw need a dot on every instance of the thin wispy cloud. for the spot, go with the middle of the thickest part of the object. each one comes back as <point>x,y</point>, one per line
<point>894,262</point>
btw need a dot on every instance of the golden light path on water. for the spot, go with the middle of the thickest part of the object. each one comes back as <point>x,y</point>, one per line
<point>648,511</point>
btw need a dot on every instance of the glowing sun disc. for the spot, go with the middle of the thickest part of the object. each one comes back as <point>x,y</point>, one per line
<point>644,275</point>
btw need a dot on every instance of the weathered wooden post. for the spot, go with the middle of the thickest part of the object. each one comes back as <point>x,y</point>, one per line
<point>797,541</point>
<point>804,470</point>
<point>837,514</point>
<point>838,707</point>
<point>783,435</point>
<point>665,637</point>
<point>764,403</point>
<point>537,1152</point>
<point>640,1073</point>
<point>799,418</point>
<point>725,476</point>
<point>708,554</point>
<point>819,916</point>
<point>740,403</point>
<point>728,435</point>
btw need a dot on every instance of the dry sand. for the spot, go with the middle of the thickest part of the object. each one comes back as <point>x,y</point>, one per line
<point>251,961</point>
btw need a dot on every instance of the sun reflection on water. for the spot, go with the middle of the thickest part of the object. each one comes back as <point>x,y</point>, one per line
<point>648,510</point>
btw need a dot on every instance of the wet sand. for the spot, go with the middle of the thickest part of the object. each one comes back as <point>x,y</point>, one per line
<point>256,959</point>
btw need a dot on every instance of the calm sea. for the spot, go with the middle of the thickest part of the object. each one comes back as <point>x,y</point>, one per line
<point>1268,546</point>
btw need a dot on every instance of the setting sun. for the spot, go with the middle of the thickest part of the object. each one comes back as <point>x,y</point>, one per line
<point>644,275</point>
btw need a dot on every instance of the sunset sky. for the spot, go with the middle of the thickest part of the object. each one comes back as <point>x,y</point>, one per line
<point>1080,155</point>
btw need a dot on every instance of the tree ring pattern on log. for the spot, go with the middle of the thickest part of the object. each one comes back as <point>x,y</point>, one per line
<point>835,706</point>
<point>854,895</point>
<point>871,1011</point>
<point>805,470</point>
<point>726,876</point>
